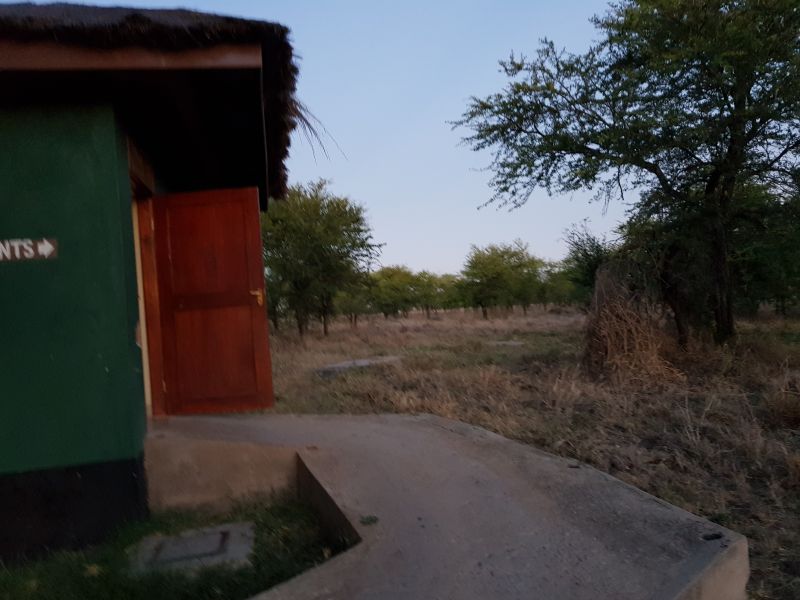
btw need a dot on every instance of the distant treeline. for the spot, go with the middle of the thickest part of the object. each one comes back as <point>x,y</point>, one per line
<point>320,260</point>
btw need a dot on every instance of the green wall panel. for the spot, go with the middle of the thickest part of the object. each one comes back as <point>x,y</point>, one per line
<point>71,387</point>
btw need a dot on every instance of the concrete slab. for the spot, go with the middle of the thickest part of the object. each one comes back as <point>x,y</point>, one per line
<point>337,369</point>
<point>229,544</point>
<point>446,510</point>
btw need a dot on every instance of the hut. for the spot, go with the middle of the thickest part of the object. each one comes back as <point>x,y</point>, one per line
<point>137,148</point>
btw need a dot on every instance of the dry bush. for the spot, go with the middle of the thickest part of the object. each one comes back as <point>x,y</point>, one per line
<point>624,339</point>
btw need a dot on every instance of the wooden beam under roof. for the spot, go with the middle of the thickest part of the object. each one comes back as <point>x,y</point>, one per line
<point>50,56</point>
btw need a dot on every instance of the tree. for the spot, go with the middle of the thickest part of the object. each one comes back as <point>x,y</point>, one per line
<point>354,300</point>
<point>450,292</point>
<point>393,290</point>
<point>526,274</point>
<point>427,292</point>
<point>665,248</point>
<point>488,277</point>
<point>557,287</point>
<point>276,298</point>
<point>586,253</point>
<point>766,260</point>
<point>690,99</point>
<point>664,255</point>
<point>315,245</point>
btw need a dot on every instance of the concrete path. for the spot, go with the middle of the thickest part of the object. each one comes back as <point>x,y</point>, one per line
<point>466,514</point>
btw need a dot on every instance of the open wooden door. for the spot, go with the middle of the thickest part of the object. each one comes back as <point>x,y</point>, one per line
<point>212,302</point>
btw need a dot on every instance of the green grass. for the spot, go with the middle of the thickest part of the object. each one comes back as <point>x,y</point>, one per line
<point>288,541</point>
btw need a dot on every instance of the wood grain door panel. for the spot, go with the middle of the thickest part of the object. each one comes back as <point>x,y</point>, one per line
<point>211,284</point>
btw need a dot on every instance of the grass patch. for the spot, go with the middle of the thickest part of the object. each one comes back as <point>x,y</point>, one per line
<point>288,541</point>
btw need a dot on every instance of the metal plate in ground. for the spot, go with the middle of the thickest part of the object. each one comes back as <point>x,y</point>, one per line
<point>230,544</point>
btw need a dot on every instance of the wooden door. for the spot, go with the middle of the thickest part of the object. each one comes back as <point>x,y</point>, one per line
<point>212,302</point>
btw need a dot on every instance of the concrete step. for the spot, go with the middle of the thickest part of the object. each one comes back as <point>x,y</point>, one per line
<point>447,510</point>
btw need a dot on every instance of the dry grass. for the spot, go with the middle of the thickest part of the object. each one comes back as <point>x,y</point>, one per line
<point>623,337</point>
<point>713,431</point>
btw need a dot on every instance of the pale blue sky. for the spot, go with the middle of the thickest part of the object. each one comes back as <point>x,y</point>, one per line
<point>385,78</point>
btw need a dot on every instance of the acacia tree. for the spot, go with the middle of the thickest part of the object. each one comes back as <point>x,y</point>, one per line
<point>428,294</point>
<point>692,99</point>
<point>501,275</point>
<point>354,300</point>
<point>586,253</point>
<point>315,245</point>
<point>450,292</point>
<point>276,302</point>
<point>664,253</point>
<point>766,268</point>
<point>526,274</point>
<point>394,290</point>
<point>557,286</point>
<point>488,277</point>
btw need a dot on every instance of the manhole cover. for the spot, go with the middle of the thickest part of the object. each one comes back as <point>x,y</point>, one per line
<point>229,544</point>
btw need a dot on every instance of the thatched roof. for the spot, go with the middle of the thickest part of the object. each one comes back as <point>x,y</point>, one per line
<point>173,30</point>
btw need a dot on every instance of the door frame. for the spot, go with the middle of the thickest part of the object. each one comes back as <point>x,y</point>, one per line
<point>153,350</point>
<point>143,188</point>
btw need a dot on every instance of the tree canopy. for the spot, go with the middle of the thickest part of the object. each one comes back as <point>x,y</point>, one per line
<point>316,244</point>
<point>501,275</point>
<point>694,100</point>
<point>394,290</point>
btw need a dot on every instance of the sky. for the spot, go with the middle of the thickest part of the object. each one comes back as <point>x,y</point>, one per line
<point>385,79</point>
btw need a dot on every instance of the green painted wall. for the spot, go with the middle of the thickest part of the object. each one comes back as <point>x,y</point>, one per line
<point>71,389</point>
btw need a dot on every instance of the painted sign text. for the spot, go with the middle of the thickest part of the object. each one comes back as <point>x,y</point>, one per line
<point>28,249</point>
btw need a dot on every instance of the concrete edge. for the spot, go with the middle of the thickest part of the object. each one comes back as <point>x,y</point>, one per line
<point>339,530</point>
<point>724,578</point>
<point>469,431</point>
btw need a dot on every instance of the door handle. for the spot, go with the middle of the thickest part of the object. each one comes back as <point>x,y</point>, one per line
<point>259,294</point>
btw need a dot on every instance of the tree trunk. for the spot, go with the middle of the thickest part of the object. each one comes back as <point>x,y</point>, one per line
<point>675,294</point>
<point>724,328</point>
<point>681,323</point>
<point>325,319</point>
<point>722,290</point>
<point>485,312</point>
<point>721,200</point>
<point>301,328</point>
